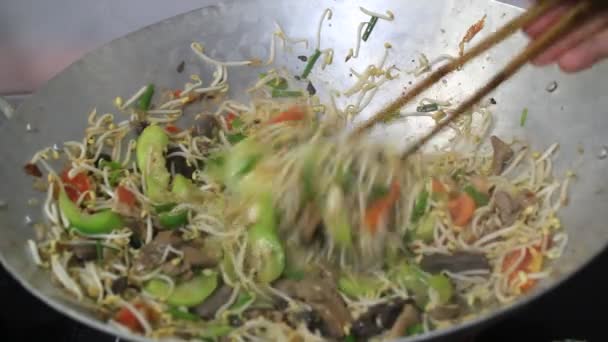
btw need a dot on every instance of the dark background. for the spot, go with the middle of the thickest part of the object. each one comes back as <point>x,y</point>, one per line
<point>571,312</point>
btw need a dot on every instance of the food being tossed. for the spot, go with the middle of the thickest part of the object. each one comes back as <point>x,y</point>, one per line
<point>261,220</point>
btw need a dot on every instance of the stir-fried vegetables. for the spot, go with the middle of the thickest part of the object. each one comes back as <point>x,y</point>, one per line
<point>261,221</point>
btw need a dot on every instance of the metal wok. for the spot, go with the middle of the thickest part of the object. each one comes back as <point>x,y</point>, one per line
<point>573,114</point>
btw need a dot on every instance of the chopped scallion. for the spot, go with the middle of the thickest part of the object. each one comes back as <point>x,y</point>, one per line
<point>286,93</point>
<point>523,118</point>
<point>369,28</point>
<point>431,107</point>
<point>311,63</point>
<point>99,251</point>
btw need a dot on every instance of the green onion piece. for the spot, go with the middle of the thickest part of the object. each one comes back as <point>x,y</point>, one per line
<point>350,338</point>
<point>286,93</point>
<point>420,206</point>
<point>114,177</point>
<point>311,62</point>
<point>112,165</point>
<point>235,138</point>
<point>480,198</point>
<point>414,329</point>
<point>99,250</point>
<point>241,300</point>
<point>524,117</point>
<point>146,98</point>
<point>369,28</point>
<point>378,191</point>
<point>431,107</point>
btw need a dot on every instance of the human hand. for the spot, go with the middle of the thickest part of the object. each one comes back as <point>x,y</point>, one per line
<point>580,49</point>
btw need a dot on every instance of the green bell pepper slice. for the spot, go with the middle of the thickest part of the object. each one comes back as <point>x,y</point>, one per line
<point>190,293</point>
<point>151,145</point>
<point>103,222</point>
<point>419,282</point>
<point>426,227</point>
<point>240,160</point>
<point>336,220</point>
<point>267,252</point>
<point>358,285</point>
<point>214,330</point>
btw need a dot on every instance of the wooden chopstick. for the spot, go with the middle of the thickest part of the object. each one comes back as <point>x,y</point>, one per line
<point>568,21</point>
<point>504,32</point>
<point>566,24</point>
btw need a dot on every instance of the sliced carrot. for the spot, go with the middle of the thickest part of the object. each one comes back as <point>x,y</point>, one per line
<point>125,196</point>
<point>229,118</point>
<point>172,129</point>
<point>294,113</point>
<point>128,319</point>
<point>177,93</point>
<point>532,262</point>
<point>438,187</point>
<point>461,209</point>
<point>76,185</point>
<point>379,208</point>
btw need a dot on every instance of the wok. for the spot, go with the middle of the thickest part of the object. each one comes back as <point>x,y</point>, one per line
<point>572,115</point>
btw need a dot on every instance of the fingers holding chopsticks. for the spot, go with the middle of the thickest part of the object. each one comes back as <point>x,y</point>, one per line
<point>578,50</point>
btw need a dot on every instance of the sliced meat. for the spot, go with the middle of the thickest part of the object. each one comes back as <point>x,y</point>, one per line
<point>151,255</point>
<point>219,297</point>
<point>181,269</point>
<point>526,198</point>
<point>32,170</point>
<point>377,319</point>
<point>507,207</point>
<point>206,126</point>
<point>177,163</point>
<point>456,262</point>
<point>502,154</point>
<point>408,317</point>
<point>322,295</point>
<point>84,252</point>
<point>446,312</point>
<point>120,285</point>
<point>202,253</point>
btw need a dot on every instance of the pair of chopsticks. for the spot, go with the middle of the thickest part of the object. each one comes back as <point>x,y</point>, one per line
<point>579,11</point>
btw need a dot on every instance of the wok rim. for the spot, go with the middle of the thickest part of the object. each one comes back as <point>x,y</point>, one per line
<point>483,320</point>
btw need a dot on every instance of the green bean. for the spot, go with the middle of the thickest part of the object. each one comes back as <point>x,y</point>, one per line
<point>265,245</point>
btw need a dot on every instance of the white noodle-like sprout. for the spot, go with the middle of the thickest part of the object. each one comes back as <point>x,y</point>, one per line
<point>138,315</point>
<point>389,16</point>
<point>199,49</point>
<point>64,278</point>
<point>326,14</point>
<point>133,98</point>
